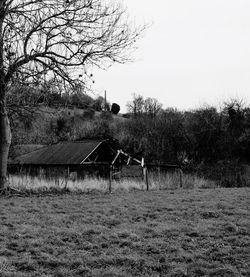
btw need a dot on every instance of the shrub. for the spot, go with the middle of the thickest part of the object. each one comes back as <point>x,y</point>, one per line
<point>115,108</point>
<point>88,114</point>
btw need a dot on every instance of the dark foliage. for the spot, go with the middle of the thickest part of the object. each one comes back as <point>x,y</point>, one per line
<point>202,136</point>
<point>115,108</point>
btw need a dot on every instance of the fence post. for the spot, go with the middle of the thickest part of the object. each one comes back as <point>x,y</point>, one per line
<point>181,175</point>
<point>145,175</point>
<point>110,178</point>
<point>159,174</point>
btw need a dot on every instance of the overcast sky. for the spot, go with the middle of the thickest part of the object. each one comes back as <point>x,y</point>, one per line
<point>195,52</point>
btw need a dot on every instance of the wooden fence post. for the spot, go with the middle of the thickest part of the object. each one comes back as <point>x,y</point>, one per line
<point>145,175</point>
<point>159,174</point>
<point>110,178</point>
<point>181,175</point>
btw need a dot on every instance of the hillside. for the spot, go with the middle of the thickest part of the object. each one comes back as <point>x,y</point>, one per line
<point>48,125</point>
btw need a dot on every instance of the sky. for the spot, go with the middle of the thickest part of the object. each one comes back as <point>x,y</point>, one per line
<point>195,52</point>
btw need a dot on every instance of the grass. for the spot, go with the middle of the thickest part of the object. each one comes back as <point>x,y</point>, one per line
<point>173,180</point>
<point>36,184</point>
<point>157,233</point>
<point>156,182</point>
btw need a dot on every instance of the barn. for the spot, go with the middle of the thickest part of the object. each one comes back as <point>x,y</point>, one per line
<point>74,159</point>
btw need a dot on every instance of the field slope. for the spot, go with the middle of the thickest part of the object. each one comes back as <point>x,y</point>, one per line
<point>157,233</point>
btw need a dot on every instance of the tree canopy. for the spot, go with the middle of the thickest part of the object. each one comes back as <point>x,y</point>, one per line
<point>56,37</point>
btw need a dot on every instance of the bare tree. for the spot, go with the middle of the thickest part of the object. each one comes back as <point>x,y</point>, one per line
<point>136,106</point>
<point>42,39</point>
<point>140,106</point>
<point>152,106</point>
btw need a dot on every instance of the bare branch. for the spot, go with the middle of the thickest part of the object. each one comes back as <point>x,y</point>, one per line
<point>63,36</point>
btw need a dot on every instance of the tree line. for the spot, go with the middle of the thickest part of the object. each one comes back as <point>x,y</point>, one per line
<point>203,135</point>
<point>208,141</point>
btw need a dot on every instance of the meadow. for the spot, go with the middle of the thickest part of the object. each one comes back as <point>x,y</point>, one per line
<point>184,232</point>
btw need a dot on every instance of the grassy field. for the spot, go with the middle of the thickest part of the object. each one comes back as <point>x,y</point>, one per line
<point>199,232</point>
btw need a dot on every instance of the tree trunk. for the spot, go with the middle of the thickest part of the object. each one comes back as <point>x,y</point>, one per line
<point>5,133</point>
<point>5,140</point>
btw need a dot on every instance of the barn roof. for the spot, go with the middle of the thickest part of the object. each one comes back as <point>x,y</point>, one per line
<point>61,153</point>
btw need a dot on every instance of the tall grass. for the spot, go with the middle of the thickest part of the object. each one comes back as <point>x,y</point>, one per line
<point>37,184</point>
<point>161,181</point>
<point>176,180</point>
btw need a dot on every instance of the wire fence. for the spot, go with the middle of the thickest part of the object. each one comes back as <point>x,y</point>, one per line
<point>102,176</point>
<point>105,177</point>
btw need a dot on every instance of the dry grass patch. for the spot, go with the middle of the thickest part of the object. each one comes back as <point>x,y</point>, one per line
<point>37,184</point>
<point>164,181</point>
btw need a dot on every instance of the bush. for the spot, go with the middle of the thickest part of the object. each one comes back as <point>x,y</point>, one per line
<point>88,114</point>
<point>115,108</point>
<point>106,116</point>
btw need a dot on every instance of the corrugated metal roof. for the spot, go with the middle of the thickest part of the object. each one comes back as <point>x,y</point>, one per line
<point>60,153</point>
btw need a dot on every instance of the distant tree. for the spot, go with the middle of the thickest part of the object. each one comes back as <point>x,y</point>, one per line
<point>244,139</point>
<point>160,139</point>
<point>235,111</point>
<point>140,106</point>
<point>98,104</point>
<point>152,107</point>
<point>81,100</point>
<point>136,106</point>
<point>237,126</point>
<point>41,39</point>
<point>204,131</point>
<point>115,108</point>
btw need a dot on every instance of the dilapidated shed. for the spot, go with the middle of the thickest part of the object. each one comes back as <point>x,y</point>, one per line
<point>75,159</point>
<point>68,153</point>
